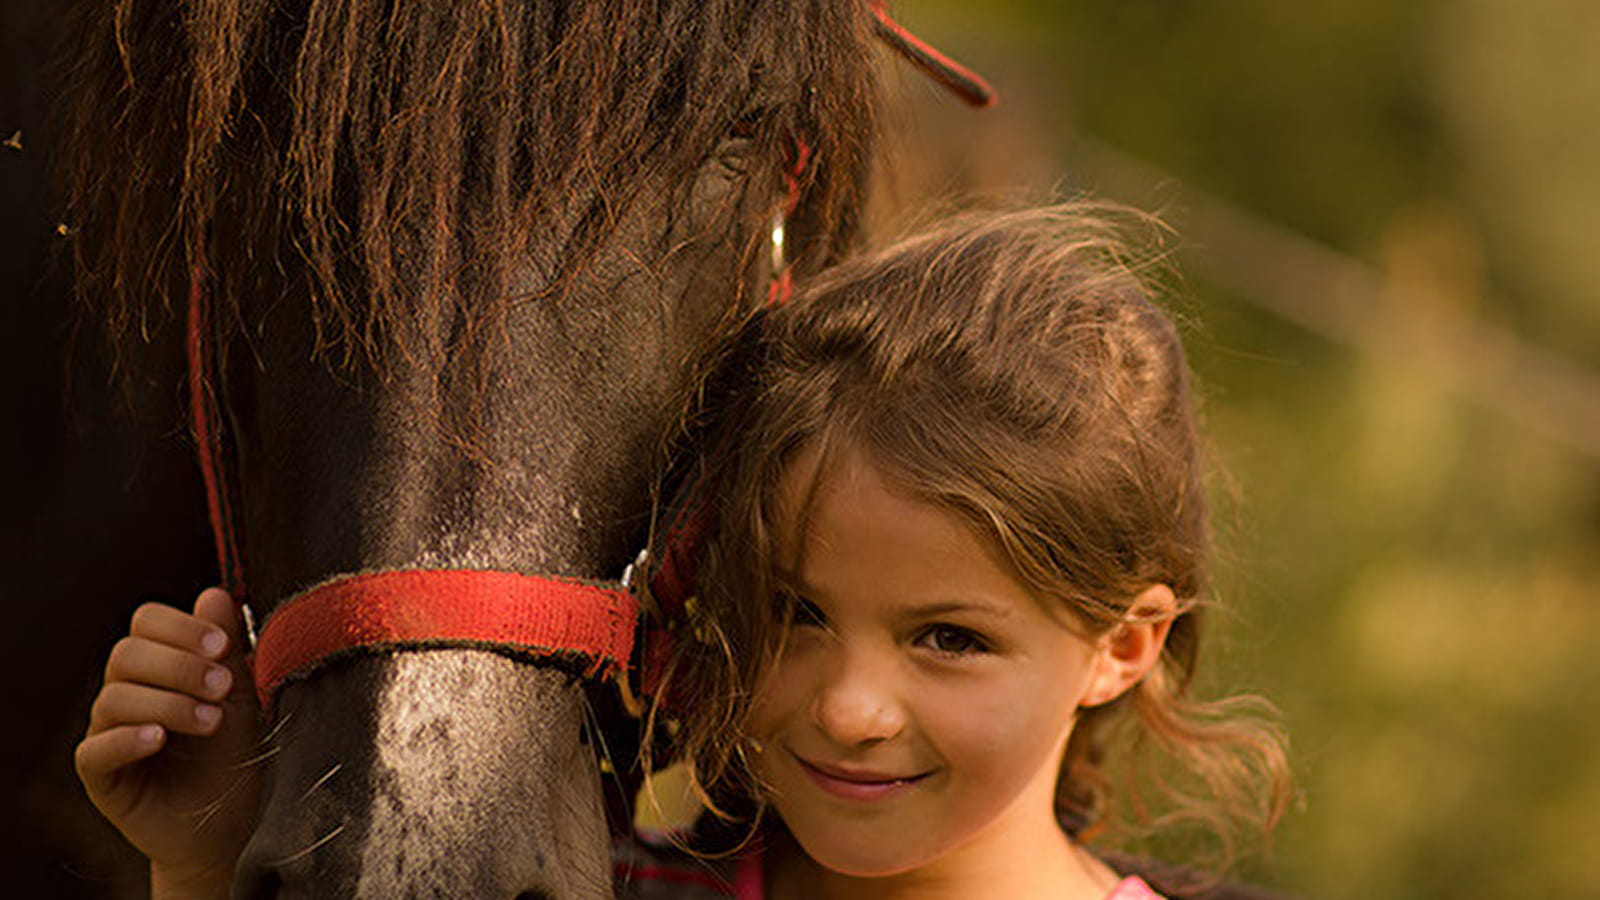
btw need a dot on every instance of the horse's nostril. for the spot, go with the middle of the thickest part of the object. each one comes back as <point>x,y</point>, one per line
<point>535,895</point>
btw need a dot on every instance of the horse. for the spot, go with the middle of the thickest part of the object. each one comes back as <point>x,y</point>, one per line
<point>437,276</point>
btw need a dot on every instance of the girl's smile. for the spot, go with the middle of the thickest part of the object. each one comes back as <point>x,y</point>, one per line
<point>858,784</point>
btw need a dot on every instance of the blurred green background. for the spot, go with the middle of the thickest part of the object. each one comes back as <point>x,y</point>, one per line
<point>1387,212</point>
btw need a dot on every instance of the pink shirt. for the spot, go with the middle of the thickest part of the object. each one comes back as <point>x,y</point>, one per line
<point>676,876</point>
<point>1133,888</point>
<point>747,884</point>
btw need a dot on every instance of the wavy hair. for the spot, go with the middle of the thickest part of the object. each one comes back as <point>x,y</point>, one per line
<point>1016,370</point>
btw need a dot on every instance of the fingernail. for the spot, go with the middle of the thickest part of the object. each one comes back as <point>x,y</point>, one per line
<point>207,715</point>
<point>218,680</point>
<point>150,734</point>
<point>213,642</point>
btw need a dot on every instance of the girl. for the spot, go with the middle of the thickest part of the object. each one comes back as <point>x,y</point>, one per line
<point>961,534</point>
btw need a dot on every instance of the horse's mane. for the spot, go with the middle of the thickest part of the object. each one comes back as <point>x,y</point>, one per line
<point>394,160</point>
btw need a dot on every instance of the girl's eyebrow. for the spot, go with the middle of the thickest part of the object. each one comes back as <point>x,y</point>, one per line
<point>965,605</point>
<point>792,581</point>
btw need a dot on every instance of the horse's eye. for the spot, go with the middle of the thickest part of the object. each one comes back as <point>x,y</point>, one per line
<point>748,125</point>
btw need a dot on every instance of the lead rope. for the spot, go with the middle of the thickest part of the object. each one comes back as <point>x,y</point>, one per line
<point>959,79</point>
<point>210,438</point>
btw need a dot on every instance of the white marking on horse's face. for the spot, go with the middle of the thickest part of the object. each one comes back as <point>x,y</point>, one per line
<point>430,742</point>
<point>477,777</point>
<point>406,709</point>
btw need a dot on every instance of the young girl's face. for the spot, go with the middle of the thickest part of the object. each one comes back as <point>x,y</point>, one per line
<point>923,701</point>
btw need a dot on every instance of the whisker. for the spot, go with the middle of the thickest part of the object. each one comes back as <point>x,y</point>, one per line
<point>309,850</point>
<point>278,726</point>
<point>259,758</point>
<point>267,746</point>
<point>208,812</point>
<point>321,781</point>
<point>608,768</point>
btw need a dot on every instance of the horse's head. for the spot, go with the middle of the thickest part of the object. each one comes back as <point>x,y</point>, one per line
<point>459,260</point>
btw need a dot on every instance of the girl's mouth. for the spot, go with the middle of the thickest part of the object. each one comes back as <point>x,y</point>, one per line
<point>857,784</point>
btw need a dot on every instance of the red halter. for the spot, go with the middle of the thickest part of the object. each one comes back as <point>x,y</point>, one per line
<point>591,625</point>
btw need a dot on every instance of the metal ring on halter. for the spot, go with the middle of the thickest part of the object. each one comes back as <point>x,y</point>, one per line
<point>779,250</point>
<point>634,568</point>
<point>630,698</point>
<point>250,633</point>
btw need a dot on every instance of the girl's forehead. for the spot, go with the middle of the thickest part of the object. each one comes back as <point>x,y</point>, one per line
<point>820,471</point>
<point>837,484</point>
<point>800,482</point>
<point>824,474</point>
<point>843,471</point>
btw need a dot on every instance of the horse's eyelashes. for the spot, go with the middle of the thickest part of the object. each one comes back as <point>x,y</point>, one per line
<point>735,154</point>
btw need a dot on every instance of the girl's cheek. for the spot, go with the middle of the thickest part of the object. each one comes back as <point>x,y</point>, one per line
<point>784,694</point>
<point>984,726</point>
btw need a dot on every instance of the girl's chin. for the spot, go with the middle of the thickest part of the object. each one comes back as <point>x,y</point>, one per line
<point>840,855</point>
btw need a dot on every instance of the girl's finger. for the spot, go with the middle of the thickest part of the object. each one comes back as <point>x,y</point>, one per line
<point>99,756</point>
<point>144,661</point>
<point>163,624</point>
<point>125,703</point>
<point>217,607</point>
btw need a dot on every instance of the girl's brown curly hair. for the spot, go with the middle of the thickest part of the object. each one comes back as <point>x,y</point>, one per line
<point>1012,368</point>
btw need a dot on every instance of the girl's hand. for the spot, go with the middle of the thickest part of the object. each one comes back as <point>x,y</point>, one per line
<point>167,757</point>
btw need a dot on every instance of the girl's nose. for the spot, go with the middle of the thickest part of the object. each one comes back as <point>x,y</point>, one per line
<point>856,701</point>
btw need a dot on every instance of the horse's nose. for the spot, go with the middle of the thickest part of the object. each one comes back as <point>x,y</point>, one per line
<point>389,876</point>
<point>447,773</point>
<point>304,849</point>
<point>268,884</point>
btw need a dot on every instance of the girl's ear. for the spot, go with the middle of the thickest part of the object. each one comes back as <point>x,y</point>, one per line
<point>1125,653</point>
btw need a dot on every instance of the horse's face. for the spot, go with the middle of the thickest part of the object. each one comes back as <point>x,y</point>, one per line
<point>462,772</point>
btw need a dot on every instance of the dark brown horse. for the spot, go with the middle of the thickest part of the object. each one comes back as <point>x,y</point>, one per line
<point>461,257</point>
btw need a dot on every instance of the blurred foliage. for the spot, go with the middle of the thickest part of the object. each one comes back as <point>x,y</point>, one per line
<point>1407,568</point>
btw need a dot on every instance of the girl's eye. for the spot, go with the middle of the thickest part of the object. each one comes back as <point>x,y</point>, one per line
<point>807,613</point>
<point>954,640</point>
<point>799,611</point>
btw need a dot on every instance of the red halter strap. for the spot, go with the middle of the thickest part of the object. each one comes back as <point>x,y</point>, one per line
<point>672,586</point>
<point>959,79</point>
<point>588,626</point>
